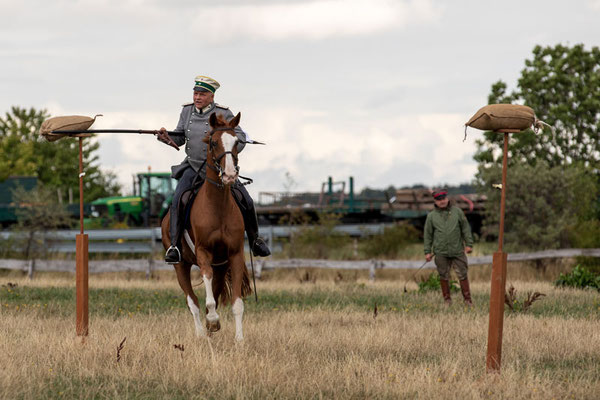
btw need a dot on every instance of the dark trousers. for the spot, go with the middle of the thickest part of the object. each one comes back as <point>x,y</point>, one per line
<point>184,184</point>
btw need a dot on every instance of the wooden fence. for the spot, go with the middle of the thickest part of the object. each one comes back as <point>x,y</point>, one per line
<point>149,265</point>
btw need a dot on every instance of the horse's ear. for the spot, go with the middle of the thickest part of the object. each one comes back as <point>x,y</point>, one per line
<point>213,120</point>
<point>235,121</point>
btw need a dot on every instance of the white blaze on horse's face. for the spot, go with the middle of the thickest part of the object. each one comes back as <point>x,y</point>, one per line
<point>230,173</point>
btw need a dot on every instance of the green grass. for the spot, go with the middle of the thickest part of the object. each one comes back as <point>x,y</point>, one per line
<point>75,387</point>
<point>59,301</point>
<point>119,302</point>
<point>303,340</point>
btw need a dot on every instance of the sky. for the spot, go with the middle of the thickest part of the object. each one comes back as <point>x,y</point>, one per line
<point>378,90</point>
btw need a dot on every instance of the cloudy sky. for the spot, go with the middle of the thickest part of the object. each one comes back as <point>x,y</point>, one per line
<point>375,89</point>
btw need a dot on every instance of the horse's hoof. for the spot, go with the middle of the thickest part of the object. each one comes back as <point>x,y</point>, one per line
<point>201,334</point>
<point>213,326</point>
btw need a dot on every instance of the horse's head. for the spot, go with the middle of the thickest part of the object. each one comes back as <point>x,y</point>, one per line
<point>222,147</point>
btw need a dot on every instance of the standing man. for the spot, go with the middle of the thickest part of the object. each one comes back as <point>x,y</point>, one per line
<point>193,121</point>
<point>448,237</point>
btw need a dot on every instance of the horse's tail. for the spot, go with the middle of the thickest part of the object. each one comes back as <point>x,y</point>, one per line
<point>246,287</point>
<point>224,275</point>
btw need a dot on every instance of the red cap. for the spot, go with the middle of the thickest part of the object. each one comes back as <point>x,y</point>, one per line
<point>439,194</point>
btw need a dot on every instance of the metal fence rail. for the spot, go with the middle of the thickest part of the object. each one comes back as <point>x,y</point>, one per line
<point>144,240</point>
<point>271,231</point>
<point>147,265</point>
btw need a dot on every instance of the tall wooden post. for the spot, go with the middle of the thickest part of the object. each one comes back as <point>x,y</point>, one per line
<point>81,260</point>
<point>496,321</point>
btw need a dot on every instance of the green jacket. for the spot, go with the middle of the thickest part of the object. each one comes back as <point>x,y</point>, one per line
<point>447,232</point>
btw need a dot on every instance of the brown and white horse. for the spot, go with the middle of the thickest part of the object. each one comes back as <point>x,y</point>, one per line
<point>215,242</point>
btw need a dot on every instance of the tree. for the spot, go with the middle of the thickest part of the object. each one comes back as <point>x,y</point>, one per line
<point>545,204</point>
<point>16,147</point>
<point>553,174</point>
<point>562,85</point>
<point>38,214</point>
<point>24,152</point>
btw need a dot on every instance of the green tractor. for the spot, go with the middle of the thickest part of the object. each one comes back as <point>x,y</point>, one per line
<point>152,194</point>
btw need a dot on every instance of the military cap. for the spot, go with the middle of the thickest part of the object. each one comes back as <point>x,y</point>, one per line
<point>205,84</point>
<point>439,194</point>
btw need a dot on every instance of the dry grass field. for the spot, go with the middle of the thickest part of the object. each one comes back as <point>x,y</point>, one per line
<point>304,340</point>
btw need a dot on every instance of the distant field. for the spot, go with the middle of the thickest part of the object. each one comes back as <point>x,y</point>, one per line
<point>303,340</point>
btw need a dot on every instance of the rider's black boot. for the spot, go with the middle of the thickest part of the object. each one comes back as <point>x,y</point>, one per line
<point>257,245</point>
<point>173,254</point>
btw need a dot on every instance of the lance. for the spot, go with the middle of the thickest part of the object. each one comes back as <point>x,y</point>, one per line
<point>78,126</point>
<point>72,132</point>
<point>140,131</point>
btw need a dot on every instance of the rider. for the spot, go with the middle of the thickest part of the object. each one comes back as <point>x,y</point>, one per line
<point>193,121</point>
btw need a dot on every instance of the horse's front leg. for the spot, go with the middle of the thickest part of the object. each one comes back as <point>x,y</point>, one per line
<point>212,318</point>
<point>238,270</point>
<point>183,277</point>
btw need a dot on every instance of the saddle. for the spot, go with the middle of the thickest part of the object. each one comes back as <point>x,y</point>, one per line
<point>187,199</point>
<point>185,207</point>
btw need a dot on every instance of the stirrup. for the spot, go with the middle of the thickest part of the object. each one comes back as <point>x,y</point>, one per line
<point>170,260</point>
<point>260,248</point>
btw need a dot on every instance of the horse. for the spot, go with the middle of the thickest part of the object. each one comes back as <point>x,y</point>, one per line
<point>215,242</point>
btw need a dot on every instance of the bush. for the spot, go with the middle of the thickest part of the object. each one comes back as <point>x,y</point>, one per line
<point>579,278</point>
<point>391,243</point>
<point>319,241</point>
<point>432,283</point>
<point>516,305</point>
<point>586,234</point>
<point>543,203</point>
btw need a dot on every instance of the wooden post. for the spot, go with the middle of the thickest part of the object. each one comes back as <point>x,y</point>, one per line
<point>81,261</point>
<point>496,319</point>
<point>372,270</point>
<point>81,284</point>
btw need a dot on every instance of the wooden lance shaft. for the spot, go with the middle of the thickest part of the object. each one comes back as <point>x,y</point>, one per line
<point>81,261</point>
<point>496,322</point>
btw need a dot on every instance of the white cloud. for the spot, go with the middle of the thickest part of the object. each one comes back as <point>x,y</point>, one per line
<point>594,4</point>
<point>396,150</point>
<point>310,20</point>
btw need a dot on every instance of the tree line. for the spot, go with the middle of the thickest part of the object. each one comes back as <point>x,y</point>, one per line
<point>553,175</point>
<point>24,152</point>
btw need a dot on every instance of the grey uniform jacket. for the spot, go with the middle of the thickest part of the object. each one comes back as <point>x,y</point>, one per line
<point>195,125</point>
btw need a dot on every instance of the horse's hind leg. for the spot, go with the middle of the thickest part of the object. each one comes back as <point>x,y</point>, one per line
<point>237,305</point>
<point>183,277</point>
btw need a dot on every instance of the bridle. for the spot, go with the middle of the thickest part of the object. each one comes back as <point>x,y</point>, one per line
<point>217,159</point>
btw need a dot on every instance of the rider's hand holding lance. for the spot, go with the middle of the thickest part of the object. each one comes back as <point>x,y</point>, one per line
<point>164,137</point>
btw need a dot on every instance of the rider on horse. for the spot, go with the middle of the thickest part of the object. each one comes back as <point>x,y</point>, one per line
<point>193,121</point>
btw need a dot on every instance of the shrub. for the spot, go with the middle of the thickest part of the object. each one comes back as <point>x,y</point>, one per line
<point>432,283</point>
<point>319,241</point>
<point>579,278</point>
<point>544,204</point>
<point>586,234</point>
<point>393,240</point>
<point>516,305</point>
